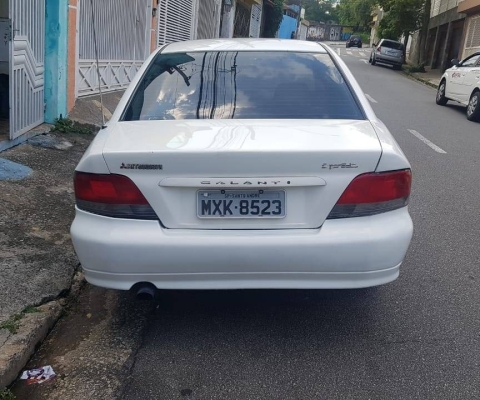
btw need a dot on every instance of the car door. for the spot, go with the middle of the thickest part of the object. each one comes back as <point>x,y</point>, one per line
<point>471,79</point>
<point>463,77</point>
<point>453,88</point>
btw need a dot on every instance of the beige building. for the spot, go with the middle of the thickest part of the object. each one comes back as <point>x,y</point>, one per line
<point>471,35</point>
<point>377,16</point>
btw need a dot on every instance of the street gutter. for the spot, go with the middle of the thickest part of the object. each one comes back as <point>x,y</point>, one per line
<point>17,347</point>
<point>419,79</point>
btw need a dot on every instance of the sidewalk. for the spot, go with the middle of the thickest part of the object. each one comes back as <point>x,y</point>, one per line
<point>431,77</point>
<point>88,110</point>
<point>37,260</point>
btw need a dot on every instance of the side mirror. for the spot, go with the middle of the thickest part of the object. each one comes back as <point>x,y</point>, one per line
<point>455,62</point>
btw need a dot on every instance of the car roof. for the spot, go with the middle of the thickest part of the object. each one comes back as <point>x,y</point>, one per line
<point>244,45</point>
<point>392,41</point>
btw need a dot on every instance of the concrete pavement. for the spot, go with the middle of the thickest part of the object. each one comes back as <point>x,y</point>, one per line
<point>416,338</point>
<point>430,77</point>
<point>37,261</point>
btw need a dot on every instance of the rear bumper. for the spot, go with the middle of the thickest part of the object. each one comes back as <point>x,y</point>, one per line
<point>382,58</point>
<point>344,253</point>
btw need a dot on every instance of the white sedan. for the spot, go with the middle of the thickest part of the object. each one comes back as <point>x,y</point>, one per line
<point>461,83</point>
<point>233,164</point>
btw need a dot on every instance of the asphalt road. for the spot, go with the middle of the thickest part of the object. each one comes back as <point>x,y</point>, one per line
<point>416,338</point>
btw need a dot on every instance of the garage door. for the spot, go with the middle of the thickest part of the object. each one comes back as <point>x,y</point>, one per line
<point>27,51</point>
<point>175,21</point>
<point>208,25</point>
<point>122,29</point>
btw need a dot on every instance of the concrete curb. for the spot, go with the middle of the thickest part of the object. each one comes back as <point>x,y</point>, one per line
<point>419,79</point>
<point>17,348</point>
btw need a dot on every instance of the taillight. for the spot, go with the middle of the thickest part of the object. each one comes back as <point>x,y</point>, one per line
<point>112,196</point>
<point>379,49</point>
<point>374,193</point>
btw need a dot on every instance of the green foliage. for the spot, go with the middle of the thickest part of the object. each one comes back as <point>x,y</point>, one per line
<point>31,310</point>
<point>6,394</point>
<point>357,13</point>
<point>273,18</point>
<point>401,17</point>
<point>364,35</point>
<point>12,324</point>
<point>320,10</point>
<point>66,125</point>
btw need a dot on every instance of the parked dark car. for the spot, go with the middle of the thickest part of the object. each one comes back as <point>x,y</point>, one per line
<point>354,41</point>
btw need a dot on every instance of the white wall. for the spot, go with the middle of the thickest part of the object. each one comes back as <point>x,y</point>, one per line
<point>441,6</point>
<point>228,21</point>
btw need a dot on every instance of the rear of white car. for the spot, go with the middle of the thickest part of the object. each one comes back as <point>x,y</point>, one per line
<point>243,164</point>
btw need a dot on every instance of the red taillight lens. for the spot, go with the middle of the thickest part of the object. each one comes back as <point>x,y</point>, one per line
<point>379,49</point>
<point>374,193</point>
<point>107,188</point>
<point>111,195</point>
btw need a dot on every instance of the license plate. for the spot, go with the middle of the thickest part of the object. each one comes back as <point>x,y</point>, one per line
<point>241,204</point>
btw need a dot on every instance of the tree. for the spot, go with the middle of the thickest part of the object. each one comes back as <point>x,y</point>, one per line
<point>402,17</point>
<point>320,10</point>
<point>273,18</point>
<point>425,18</point>
<point>357,13</point>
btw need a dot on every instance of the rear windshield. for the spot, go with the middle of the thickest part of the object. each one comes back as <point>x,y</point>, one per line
<point>355,37</point>
<point>392,45</point>
<point>241,85</point>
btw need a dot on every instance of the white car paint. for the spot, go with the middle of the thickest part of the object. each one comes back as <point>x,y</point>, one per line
<point>462,81</point>
<point>316,145</point>
<point>302,250</point>
<point>354,253</point>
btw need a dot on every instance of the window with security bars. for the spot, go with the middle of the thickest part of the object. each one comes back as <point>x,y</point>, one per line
<point>473,34</point>
<point>242,21</point>
<point>175,21</point>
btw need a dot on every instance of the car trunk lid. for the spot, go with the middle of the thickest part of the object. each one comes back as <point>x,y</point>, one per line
<point>174,163</point>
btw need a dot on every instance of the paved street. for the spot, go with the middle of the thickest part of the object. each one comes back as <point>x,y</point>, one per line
<point>416,338</point>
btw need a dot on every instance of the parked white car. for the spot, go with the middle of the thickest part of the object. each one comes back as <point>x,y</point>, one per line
<point>246,163</point>
<point>461,83</point>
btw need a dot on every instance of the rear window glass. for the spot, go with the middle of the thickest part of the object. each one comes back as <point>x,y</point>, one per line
<point>241,85</point>
<point>355,37</point>
<point>392,45</point>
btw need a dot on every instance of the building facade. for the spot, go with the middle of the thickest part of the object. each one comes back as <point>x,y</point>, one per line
<point>60,50</point>
<point>471,36</point>
<point>445,32</point>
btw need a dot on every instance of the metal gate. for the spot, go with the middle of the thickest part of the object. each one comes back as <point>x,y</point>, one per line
<point>27,52</point>
<point>123,40</point>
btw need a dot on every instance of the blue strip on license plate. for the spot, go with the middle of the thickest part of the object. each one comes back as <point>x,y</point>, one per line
<point>241,204</point>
